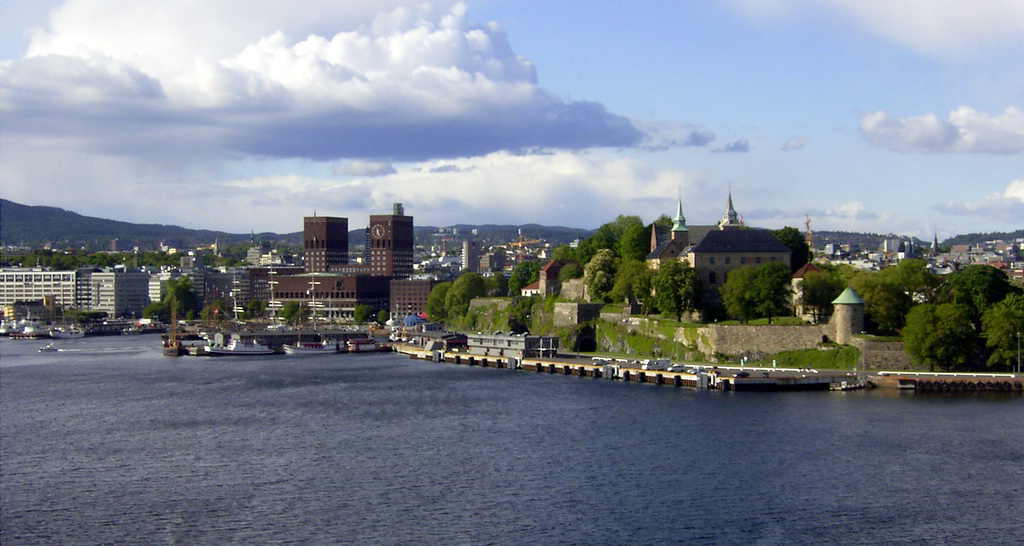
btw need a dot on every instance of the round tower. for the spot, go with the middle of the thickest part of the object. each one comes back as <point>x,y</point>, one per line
<point>848,317</point>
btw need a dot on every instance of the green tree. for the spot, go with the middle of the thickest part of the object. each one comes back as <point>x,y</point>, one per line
<point>941,336</point>
<point>569,271</point>
<point>255,309</point>
<point>464,289</point>
<point>362,313</point>
<point>216,310</point>
<point>435,301</point>
<point>382,316</point>
<point>791,237</point>
<point>1002,324</point>
<point>976,286</point>
<point>497,285</point>
<point>294,313</point>
<point>633,281</point>
<point>519,314</point>
<point>599,275</point>
<point>886,303</point>
<point>676,288</point>
<point>738,293</point>
<point>180,292</point>
<point>817,291</point>
<point>771,290</point>
<point>634,241</point>
<point>914,277</point>
<point>524,273</point>
<point>158,310</point>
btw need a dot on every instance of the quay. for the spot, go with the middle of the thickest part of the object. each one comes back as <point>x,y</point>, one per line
<point>725,378</point>
<point>950,382</point>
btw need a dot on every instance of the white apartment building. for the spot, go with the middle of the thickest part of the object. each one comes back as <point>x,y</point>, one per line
<point>33,284</point>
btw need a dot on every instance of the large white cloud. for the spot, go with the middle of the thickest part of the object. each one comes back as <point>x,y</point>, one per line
<point>1007,205</point>
<point>945,28</point>
<point>324,81</point>
<point>964,130</point>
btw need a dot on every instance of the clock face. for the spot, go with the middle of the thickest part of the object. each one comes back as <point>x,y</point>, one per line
<point>378,231</point>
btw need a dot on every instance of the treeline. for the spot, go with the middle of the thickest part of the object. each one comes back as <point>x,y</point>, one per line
<point>230,256</point>
<point>965,321</point>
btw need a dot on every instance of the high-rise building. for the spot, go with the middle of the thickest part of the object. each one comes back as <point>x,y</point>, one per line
<point>470,255</point>
<point>326,242</point>
<point>391,243</point>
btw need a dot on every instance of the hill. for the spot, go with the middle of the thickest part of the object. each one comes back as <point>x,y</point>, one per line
<point>26,225</point>
<point>978,238</point>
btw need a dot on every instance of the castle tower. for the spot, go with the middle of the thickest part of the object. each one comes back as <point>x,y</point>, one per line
<point>731,218</point>
<point>679,231</point>
<point>848,318</point>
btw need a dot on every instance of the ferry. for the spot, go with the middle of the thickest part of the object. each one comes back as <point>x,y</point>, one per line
<point>240,348</point>
<point>362,345</point>
<point>67,333</point>
<point>310,348</point>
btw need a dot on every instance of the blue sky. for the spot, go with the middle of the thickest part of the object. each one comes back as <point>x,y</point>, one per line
<point>902,116</point>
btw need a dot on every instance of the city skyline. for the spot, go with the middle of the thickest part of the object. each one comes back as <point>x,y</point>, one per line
<point>867,116</point>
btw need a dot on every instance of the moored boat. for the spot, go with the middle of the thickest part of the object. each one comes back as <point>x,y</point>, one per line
<point>362,345</point>
<point>310,348</point>
<point>240,348</point>
<point>66,333</point>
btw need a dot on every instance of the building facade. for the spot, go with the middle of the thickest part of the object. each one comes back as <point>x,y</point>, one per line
<point>409,297</point>
<point>391,243</point>
<point>120,293</point>
<point>332,296</point>
<point>33,284</point>
<point>325,240</point>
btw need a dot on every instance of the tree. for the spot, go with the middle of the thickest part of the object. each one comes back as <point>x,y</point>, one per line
<point>158,310</point>
<point>497,285</point>
<point>940,335</point>
<point>255,309</point>
<point>599,275</point>
<point>523,273</point>
<point>464,289</point>
<point>771,290</point>
<point>913,276</point>
<point>382,316</point>
<point>976,286</point>
<point>435,301</point>
<point>362,313</point>
<point>634,241</point>
<point>294,313</point>
<point>738,293</point>
<point>791,237</point>
<point>676,288</point>
<point>1002,324</point>
<point>569,271</point>
<point>886,303</point>
<point>180,292</point>
<point>817,291</point>
<point>519,314</point>
<point>632,282</point>
<point>216,310</point>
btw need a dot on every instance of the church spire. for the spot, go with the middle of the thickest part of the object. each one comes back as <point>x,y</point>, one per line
<point>730,218</point>
<point>679,222</point>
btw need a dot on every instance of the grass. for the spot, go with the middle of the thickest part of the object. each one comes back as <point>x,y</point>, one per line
<point>842,357</point>
<point>871,337</point>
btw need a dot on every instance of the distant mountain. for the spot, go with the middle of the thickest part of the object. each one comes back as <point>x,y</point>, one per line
<point>866,241</point>
<point>978,238</point>
<point>36,225</point>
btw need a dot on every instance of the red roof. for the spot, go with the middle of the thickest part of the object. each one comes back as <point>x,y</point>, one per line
<point>805,269</point>
<point>535,285</point>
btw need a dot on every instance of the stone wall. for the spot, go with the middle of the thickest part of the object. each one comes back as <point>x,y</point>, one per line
<point>882,355</point>
<point>496,303</point>
<point>746,340</point>
<point>573,290</point>
<point>572,314</point>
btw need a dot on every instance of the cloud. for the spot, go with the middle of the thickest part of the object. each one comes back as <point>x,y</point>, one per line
<point>965,130</point>
<point>739,146</point>
<point>944,28</point>
<point>1007,205</point>
<point>796,143</point>
<point>357,167</point>
<point>366,82</point>
<point>660,136</point>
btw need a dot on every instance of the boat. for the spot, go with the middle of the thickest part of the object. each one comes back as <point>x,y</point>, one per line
<point>31,331</point>
<point>310,348</point>
<point>362,345</point>
<point>48,348</point>
<point>131,331</point>
<point>240,348</point>
<point>66,333</point>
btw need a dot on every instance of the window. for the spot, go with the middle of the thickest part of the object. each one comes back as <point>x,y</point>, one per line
<point>758,259</point>
<point>728,260</point>
<point>712,260</point>
<point>712,278</point>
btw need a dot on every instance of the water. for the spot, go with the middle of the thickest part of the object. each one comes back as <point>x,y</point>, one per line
<point>114,443</point>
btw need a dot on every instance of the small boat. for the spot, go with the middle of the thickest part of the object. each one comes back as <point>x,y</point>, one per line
<point>66,333</point>
<point>240,348</point>
<point>131,331</point>
<point>311,348</point>
<point>48,348</point>
<point>362,345</point>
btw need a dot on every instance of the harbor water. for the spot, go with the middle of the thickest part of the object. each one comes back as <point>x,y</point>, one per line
<point>107,441</point>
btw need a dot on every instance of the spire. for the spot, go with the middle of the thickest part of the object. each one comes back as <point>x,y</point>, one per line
<point>730,218</point>
<point>679,223</point>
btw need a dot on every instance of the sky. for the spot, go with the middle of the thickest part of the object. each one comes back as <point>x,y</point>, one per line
<point>894,116</point>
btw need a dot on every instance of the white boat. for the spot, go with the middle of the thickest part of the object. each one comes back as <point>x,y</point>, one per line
<point>48,348</point>
<point>240,348</point>
<point>310,348</point>
<point>362,345</point>
<point>66,333</point>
